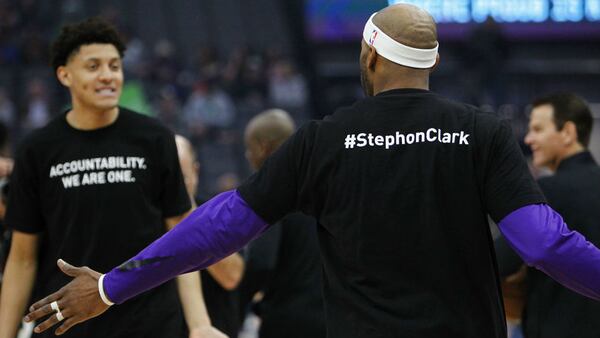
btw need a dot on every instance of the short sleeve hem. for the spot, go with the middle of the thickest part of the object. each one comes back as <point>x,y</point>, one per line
<point>523,201</point>
<point>17,226</point>
<point>178,211</point>
<point>247,196</point>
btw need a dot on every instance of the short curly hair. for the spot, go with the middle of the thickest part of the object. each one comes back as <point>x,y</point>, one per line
<point>72,37</point>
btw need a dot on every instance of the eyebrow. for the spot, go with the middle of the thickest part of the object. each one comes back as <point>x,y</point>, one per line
<point>95,59</point>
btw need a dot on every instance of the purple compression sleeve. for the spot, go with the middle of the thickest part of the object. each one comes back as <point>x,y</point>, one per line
<point>541,237</point>
<point>213,231</point>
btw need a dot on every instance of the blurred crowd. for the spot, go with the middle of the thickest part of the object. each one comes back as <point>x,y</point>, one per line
<point>207,97</point>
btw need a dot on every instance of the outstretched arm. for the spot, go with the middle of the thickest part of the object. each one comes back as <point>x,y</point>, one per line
<point>213,231</point>
<point>540,236</point>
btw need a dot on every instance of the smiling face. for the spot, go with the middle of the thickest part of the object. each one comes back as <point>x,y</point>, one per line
<point>545,140</point>
<point>94,77</point>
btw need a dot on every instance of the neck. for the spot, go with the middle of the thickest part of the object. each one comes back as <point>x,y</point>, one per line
<point>89,119</point>
<point>408,78</point>
<point>573,150</point>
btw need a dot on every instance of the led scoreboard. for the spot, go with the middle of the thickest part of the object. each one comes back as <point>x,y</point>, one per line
<point>343,20</point>
<point>465,11</point>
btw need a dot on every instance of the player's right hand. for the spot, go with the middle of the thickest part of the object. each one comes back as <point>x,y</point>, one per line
<point>78,301</point>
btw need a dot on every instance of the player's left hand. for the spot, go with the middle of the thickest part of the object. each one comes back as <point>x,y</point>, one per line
<point>206,332</point>
<point>78,301</point>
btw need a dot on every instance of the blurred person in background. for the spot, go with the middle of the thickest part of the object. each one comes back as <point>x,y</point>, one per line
<point>6,161</point>
<point>288,89</point>
<point>95,185</point>
<point>209,112</point>
<point>559,133</point>
<point>284,264</point>
<point>165,65</point>
<point>207,63</point>
<point>168,108</point>
<point>219,280</point>
<point>33,47</point>
<point>244,76</point>
<point>227,181</point>
<point>7,109</point>
<point>485,55</point>
<point>37,105</point>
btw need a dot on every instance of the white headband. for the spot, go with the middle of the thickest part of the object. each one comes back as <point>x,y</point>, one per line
<point>397,52</point>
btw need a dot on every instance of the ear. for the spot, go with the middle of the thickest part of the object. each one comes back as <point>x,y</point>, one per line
<point>437,62</point>
<point>63,76</point>
<point>371,58</point>
<point>569,133</point>
<point>265,148</point>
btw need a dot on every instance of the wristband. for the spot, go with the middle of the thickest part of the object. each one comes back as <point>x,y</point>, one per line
<point>101,290</point>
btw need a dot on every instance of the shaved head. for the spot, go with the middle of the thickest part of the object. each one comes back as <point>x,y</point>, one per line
<point>274,126</point>
<point>265,133</point>
<point>410,26</point>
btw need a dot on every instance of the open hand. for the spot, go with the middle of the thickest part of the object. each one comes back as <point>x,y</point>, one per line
<point>78,301</point>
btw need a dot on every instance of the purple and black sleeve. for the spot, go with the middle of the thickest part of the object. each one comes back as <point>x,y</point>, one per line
<point>540,236</point>
<point>213,231</point>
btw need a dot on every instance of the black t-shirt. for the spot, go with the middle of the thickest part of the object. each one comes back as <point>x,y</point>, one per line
<point>401,185</point>
<point>97,198</point>
<point>285,264</point>
<point>222,305</point>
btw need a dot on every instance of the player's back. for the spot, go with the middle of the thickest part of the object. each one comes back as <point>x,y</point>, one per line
<point>400,182</point>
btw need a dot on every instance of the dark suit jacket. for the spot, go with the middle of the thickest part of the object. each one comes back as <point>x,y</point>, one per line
<point>551,310</point>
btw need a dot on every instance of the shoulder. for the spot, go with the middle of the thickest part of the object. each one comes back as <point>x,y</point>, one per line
<point>307,132</point>
<point>489,129</point>
<point>54,130</point>
<point>555,184</point>
<point>481,118</point>
<point>454,105</point>
<point>145,128</point>
<point>583,178</point>
<point>131,117</point>
<point>547,181</point>
<point>487,120</point>
<point>422,103</point>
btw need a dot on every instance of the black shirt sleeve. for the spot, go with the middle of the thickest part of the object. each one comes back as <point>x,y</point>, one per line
<point>262,252</point>
<point>274,191</point>
<point>174,197</point>
<point>23,211</point>
<point>508,184</point>
<point>260,264</point>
